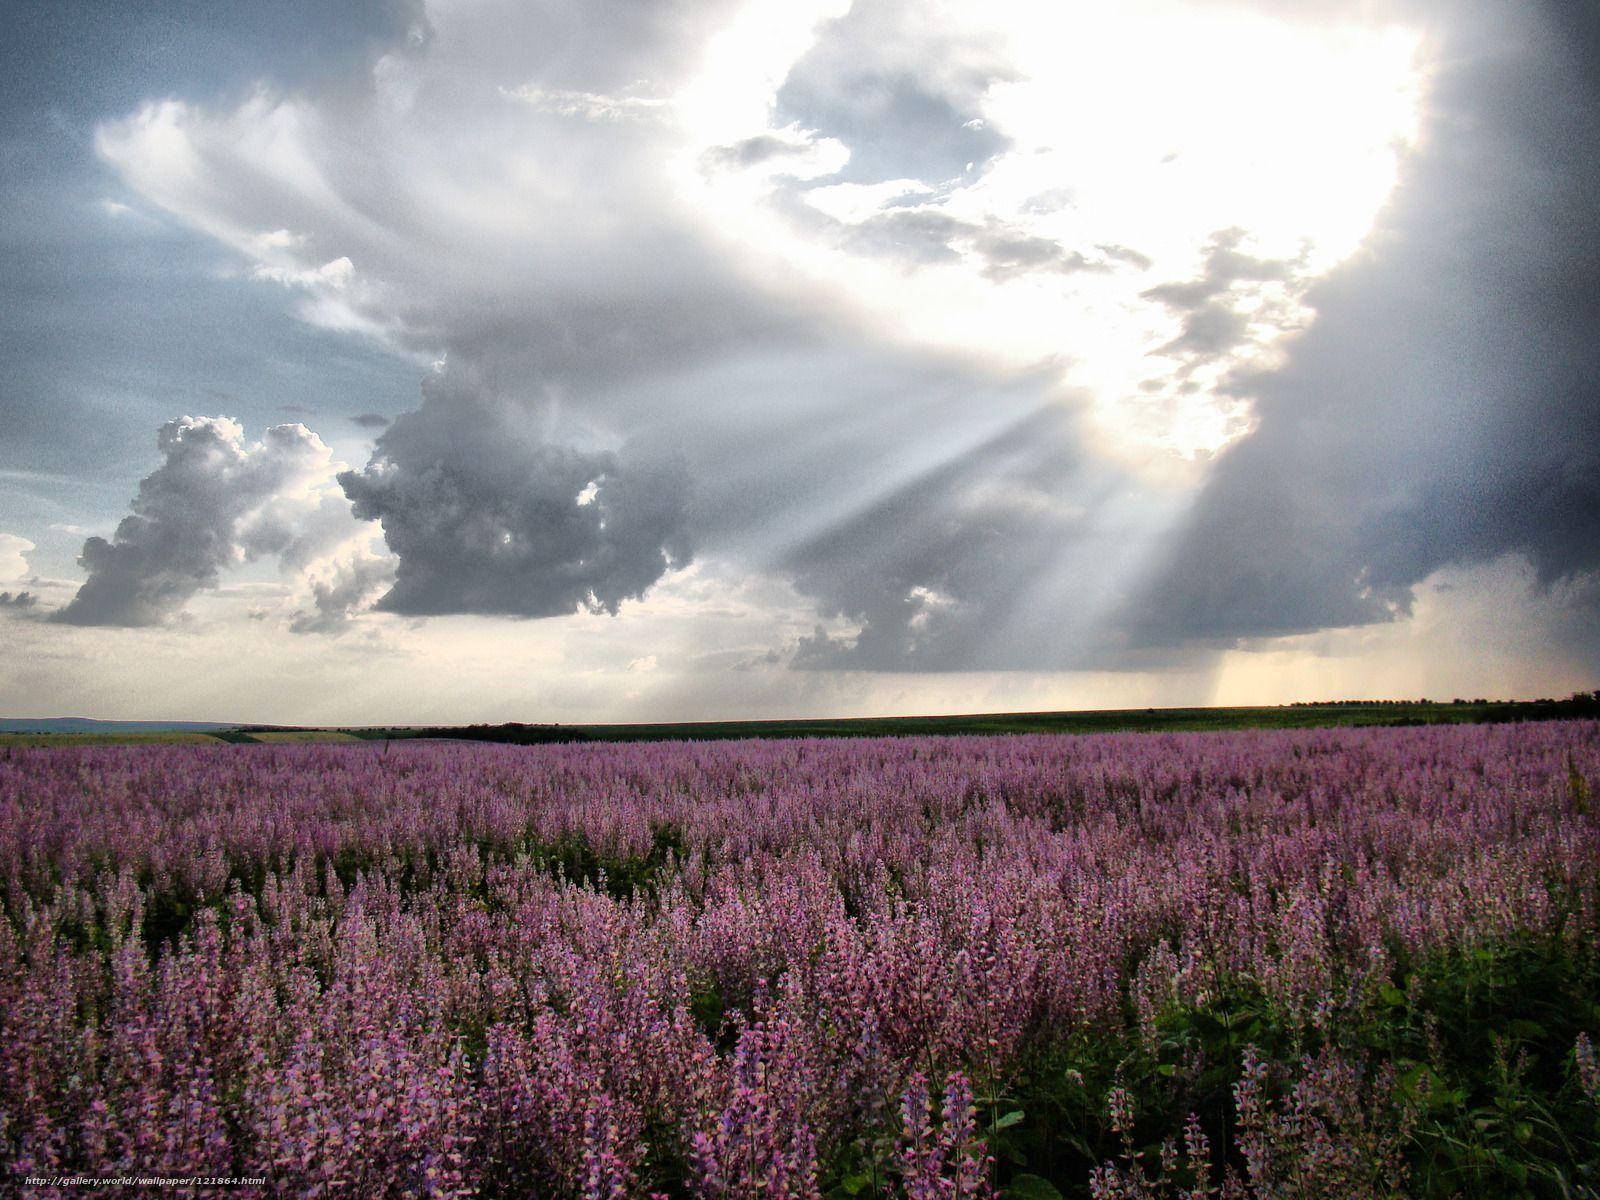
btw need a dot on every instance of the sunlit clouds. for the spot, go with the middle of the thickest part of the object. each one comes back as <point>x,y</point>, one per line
<point>828,357</point>
<point>1135,135</point>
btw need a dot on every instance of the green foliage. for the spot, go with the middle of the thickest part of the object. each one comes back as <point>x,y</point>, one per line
<point>169,913</point>
<point>708,1006</point>
<point>1030,1187</point>
<point>574,858</point>
<point>1482,1042</point>
<point>862,1170</point>
<point>1478,1045</point>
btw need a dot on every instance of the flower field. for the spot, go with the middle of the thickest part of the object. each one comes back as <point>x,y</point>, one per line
<point>1336,963</point>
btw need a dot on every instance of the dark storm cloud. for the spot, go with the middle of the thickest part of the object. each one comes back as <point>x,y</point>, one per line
<point>487,518</point>
<point>1444,407</point>
<point>17,601</point>
<point>209,505</point>
<point>370,420</point>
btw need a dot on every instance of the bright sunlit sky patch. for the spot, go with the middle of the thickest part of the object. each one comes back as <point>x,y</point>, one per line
<point>489,360</point>
<point>1182,122</point>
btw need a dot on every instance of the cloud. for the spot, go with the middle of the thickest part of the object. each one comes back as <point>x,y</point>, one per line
<point>471,231</point>
<point>702,288</point>
<point>1126,254</point>
<point>370,420</point>
<point>1010,253</point>
<point>917,234</point>
<point>214,501</point>
<point>929,234</point>
<point>1218,308</point>
<point>791,152</point>
<point>901,90</point>
<point>486,517</point>
<point>751,376</point>
<point>590,106</point>
<point>984,559</point>
<point>1225,265</point>
<point>13,555</point>
<point>472,236</point>
<point>336,273</point>
<point>341,588</point>
<point>1442,410</point>
<point>17,601</point>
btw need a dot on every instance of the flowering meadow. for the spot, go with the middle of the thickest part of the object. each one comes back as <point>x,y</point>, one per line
<point>1323,963</point>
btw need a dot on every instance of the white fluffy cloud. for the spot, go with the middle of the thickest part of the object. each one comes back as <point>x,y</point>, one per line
<point>216,501</point>
<point>13,551</point>
<point>341,585</point>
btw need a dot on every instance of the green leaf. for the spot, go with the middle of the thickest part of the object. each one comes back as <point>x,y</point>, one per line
<point>1392,996</point>
<point>1014,1117</point>
<point>1030,1187</point>
<point>1412,1077</point>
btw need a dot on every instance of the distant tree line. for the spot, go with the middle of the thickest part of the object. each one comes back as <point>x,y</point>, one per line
<point>1587,702</point>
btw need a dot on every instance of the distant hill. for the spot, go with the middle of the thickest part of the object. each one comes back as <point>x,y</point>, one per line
<point>89,725</point>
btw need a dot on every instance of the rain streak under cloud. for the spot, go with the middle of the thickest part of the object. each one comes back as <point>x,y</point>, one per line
<point>830,357</point>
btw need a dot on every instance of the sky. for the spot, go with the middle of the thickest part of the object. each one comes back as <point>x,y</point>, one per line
<point>469,360</point>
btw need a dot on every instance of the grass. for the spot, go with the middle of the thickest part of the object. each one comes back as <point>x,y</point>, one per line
<point>301,735</point>
<point>1143,720</point>
<point>176,737</point>
<point>162,738</point>
<point>1131,720</point>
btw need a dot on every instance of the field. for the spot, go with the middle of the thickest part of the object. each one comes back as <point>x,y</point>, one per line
<point>1360,713</point>
<point>301,735</point>
<point>173,737</point>
<point>1346,713</point>
<point>176,737</point>
<point>1333,963</point>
